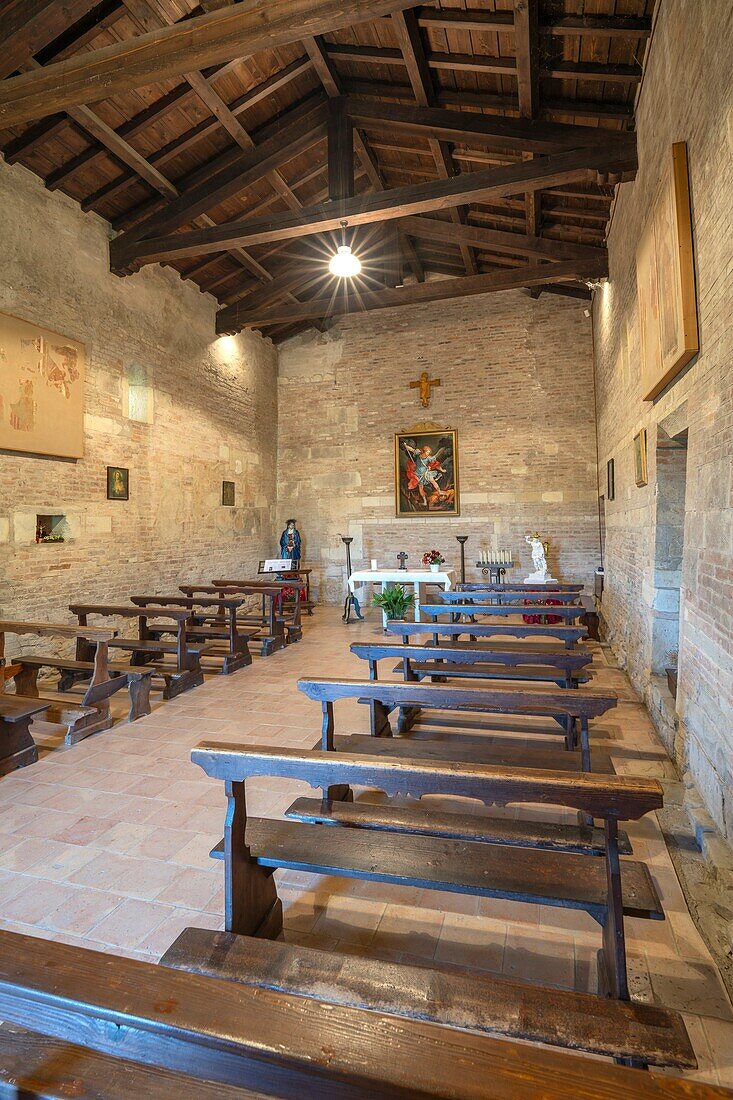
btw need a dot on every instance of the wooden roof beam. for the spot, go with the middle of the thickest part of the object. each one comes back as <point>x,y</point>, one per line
<point>235,175</point>
<point>239,30</point>
<point>400,202</point>
<point>408,36</point>
<point>596,26</point>
<point>26,26</point>
<point>316,50</point>
<point>522,135</point>
<point>414,294</point>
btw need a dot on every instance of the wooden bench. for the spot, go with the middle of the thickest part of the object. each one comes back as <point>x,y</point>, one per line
<point>269,621</point>
<point>568,635</point>
<point>17,747</point>
<point>606,888</point>
<point>569,612</point>
<point>519,586</point>
<point>148,652</point>
<point>465,660</point>
<point>507,594</point>
<point>292,615</point>
<point>157,1032</point>
<point>568,708</point>
<point>223,626</point>
<point>89,713</point>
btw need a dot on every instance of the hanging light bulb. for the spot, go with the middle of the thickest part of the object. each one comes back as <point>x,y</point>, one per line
<point>344,264</point>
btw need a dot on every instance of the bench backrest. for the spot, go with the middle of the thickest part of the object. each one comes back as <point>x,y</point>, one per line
<point>609,796</point>
<point>124,612</point>
<point>188,601</point>
<point>577,703</point>
<point>465,653</point>
<point>59,630</point>
<point>259,586</point>
<point>456,596</point>
<point>492,586</point>
<point>487,630</point>
<point>565,611</point>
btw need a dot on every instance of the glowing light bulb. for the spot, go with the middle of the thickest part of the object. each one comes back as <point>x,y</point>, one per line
<point>344,264</point>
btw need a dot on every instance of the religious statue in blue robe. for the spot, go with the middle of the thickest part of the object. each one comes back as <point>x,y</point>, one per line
<point>290,542</point>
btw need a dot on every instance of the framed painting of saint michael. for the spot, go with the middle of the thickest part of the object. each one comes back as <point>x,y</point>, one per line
<point>426,474</point>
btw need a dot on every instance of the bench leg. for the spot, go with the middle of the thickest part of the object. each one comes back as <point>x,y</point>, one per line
<point>251,904</point>
<point>337,792</point>
<point>612,976</point>
<point>139,689</point>
<point>177,683</point>
<point>26,681</point>
<point>407,718</point>
<point>17,747</point>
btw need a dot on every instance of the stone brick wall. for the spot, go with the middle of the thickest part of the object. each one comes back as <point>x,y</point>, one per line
<point>687,95</point>
<point>516,384</point>
<point>214,418</point>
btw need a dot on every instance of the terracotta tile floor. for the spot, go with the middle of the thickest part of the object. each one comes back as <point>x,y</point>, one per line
<point>106,845</point>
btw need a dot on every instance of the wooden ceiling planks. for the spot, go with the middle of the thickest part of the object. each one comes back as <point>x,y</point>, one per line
<point>594,58</point>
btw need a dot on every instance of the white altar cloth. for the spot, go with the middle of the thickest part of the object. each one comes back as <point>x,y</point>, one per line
<point>418,578</point>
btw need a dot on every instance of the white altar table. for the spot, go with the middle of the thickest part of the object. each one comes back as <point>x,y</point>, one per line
<point>418,578</point>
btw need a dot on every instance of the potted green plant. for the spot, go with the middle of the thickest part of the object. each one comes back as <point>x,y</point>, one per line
<point>394,601</point>
<point>671,658</point>
<point>434,559</point>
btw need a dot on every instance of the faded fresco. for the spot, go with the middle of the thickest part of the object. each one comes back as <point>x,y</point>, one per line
<point>41,390</point>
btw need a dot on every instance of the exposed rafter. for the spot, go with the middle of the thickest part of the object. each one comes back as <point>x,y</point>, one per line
<point>398,203</point>
<point>416,293</point>
<point>239,30</point>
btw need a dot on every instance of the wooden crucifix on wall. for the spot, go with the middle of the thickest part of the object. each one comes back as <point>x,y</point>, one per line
<point>423,383</point>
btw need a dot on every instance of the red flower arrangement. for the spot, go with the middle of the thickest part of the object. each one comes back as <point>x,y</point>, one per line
<point>433,557</point>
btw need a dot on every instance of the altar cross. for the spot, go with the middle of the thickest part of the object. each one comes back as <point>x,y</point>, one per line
<point>423,383</point>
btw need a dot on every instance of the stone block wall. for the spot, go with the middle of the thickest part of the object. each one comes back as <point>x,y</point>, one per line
<point>206,408</point>
<point>516,384</point>
<point>686,95</point>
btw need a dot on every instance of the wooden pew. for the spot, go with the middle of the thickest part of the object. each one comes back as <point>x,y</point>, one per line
<point>465,660</point>
<point>292,617</point>
<point>89,713</point>
<point>155,1032</point>
<point>149,652</point>
<point>518,586</point>
<point>568,708</point>
<point>568,635</point>
<point>507,594</point>
<point>252,848</point>
<point>223,626</point>
<point>569,612</point>
<point>270,621</point>
<point>17,747</point>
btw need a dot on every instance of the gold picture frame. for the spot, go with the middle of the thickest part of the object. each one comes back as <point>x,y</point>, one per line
<point>640,461</point>
<point>665,280</point>
<point>426,473</point>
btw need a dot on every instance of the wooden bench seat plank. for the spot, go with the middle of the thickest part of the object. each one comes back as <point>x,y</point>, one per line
<point>439,994</point>
<point>14,708</point>
<point>33,1065</point>
<point>501,752</point>
<point>153,646</point>
<point>422,820</point>
<point>569,612</point>
<point>457,866</point>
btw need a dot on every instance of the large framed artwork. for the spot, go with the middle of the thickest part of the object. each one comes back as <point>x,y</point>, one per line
<point>665,280</point>
<point>41,390</point>
<point>426,473</point>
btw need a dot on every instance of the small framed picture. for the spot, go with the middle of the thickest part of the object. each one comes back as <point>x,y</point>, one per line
<point>640,468</point>
<point>118,483</point>
<point>610,480</point>
<point>227,493</point>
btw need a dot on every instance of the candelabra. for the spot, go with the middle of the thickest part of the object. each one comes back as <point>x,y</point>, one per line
<point>351,600</point>
<point>463,539</point>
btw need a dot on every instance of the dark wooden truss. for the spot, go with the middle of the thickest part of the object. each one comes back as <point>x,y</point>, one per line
<point>477,139</point>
